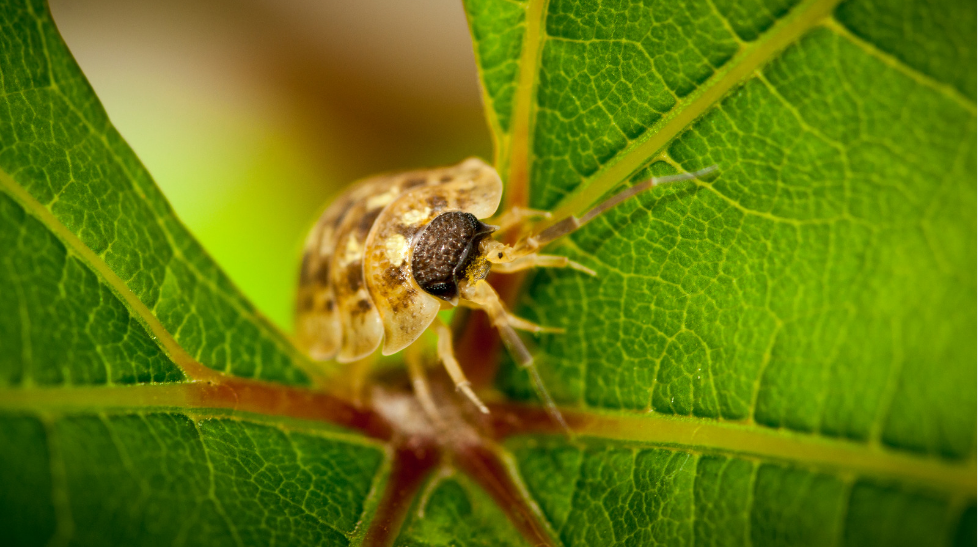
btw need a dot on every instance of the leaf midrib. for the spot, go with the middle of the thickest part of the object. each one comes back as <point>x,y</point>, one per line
<point>253,400</point>
<point>809,450</point>
<point>682,433</point>
<point>515,152</point>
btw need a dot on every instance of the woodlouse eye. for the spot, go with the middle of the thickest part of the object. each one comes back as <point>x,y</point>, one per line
<point>444,250</point>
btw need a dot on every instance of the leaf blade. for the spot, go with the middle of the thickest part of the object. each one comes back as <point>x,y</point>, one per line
<point>779,126</point>
<point>72,328</point>
<point>58,145</point>
<point>159,477</point>
<point>597,492</point>
<point>820,288</point>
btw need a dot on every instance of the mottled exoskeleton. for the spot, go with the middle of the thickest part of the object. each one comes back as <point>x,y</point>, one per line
<point>394,250</point>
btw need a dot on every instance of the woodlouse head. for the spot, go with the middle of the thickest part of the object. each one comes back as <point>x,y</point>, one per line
<point>447,251</point>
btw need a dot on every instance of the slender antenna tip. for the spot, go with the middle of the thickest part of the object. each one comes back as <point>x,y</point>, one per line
<point>581,268</point>
<point>656,181</point>
<point>706,170</point>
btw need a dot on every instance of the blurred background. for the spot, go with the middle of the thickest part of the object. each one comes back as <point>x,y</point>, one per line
<point>252,114</point>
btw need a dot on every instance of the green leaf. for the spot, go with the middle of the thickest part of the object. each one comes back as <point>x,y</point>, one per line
<point>114,428</point>
<point>165,478</point>
<point>64,326</point>
<point>821,283</point>
<point>779,354</point>
<point>452,509</point>
<point>643,496</point>
<point>66,165</point>
<point>820,289</point>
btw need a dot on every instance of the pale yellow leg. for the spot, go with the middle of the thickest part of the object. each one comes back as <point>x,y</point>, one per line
<point>510,320</point>
<point>419,381</point>
<point>540,261</point>
<point>447,356</point>
<point>516,216</point>
<point>522,324</point>
<point>356,378</point>
<point>482,295</point>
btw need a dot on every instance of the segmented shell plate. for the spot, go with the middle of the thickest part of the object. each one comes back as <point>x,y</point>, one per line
<point>330,300</point>
<point>356,287</point>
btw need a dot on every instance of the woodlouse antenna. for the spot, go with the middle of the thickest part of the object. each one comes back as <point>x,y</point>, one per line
<point>573,223</point>
<point>522,356</point>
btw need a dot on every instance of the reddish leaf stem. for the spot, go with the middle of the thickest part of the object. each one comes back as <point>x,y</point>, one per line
<point>483,465</point>
<point>278,400</point>
<point>413,461</point>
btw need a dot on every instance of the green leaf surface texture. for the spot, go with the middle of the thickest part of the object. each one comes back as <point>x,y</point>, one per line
<point>166,478</point>
<point>452,511</point>
<point>781,352</point>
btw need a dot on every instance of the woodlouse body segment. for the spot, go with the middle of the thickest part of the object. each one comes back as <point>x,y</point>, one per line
<point>393,250</point>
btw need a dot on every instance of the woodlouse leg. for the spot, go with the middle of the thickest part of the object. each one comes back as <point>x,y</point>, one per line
<point>540,261</point>
<point>516,216</point>
<point>358,372</point>
<point>522,324</point>
<point>419,381</point>
<point>482,295</point>
<point>515,321</point>
<point>447,356</point>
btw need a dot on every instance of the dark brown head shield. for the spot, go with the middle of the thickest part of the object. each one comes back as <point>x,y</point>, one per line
<point>445,250</point>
